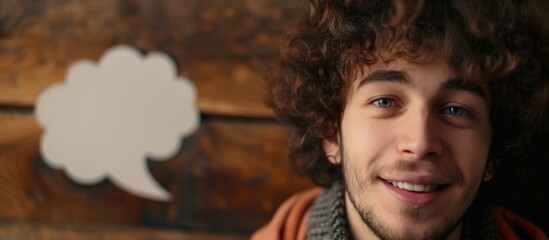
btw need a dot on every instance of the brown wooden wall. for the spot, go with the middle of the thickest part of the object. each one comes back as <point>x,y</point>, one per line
<point>228,177</point>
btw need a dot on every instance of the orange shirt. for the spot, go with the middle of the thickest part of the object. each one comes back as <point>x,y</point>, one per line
<point>291,220</point>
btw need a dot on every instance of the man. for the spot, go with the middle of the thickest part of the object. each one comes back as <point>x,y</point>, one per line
<point>403,110</point>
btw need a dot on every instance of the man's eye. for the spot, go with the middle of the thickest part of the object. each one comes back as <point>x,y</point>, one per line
<point>384,102</point>
<point>456,111</point>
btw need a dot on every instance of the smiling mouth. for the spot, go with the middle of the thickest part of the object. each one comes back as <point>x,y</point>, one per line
<point>415,187</point>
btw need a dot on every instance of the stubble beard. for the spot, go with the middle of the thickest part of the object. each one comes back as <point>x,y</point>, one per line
<point>356,186</point>
<point>382,231</point>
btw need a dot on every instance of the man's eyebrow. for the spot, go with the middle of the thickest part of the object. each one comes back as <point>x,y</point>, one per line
<point>459,84</point>
<point>402,77</point>
<point>385,76</point>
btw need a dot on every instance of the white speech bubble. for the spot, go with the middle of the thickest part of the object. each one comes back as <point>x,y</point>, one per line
<point>108,118</point>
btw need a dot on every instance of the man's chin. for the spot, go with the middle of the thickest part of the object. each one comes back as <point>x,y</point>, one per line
<point>409,229</point>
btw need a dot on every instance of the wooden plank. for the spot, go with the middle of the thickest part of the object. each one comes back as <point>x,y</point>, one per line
<point>18,146</point>
<point>223,46</point>
<point>228,177</point>
<point>28,230</point>
<point>244,173</point>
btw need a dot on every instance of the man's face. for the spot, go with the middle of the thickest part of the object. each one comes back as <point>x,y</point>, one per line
<point>414,143</point>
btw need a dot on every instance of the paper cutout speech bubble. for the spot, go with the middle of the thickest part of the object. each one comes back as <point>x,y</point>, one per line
<point>108,118</point>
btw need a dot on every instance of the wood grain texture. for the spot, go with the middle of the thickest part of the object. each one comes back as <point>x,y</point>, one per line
<point>225,47</point>
<point>28,230</point>
<point>18,148</point>
<point>228,177</point>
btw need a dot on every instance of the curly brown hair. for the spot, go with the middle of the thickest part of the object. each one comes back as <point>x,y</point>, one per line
<point>499,42</point>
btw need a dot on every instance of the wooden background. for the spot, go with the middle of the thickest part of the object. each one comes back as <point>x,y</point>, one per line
<point>226,180</point>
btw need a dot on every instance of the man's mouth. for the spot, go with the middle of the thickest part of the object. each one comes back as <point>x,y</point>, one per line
<point>418,193</point>
<point>416,187</point>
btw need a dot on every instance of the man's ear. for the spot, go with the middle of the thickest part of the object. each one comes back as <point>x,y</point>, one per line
<point>331,149</point>
<point>490,169</point>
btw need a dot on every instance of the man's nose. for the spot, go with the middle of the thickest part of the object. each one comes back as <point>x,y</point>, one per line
<point>420,136</point>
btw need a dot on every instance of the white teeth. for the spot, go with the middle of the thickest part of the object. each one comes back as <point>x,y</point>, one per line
<point>415,187</point>
<point>409,186</point>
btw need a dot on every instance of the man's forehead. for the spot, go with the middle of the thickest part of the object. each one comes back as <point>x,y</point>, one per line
<point>399,72</point>
<point>402,70</point>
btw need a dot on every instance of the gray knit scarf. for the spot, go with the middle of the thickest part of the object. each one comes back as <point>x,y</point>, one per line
<point>328,219</point>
